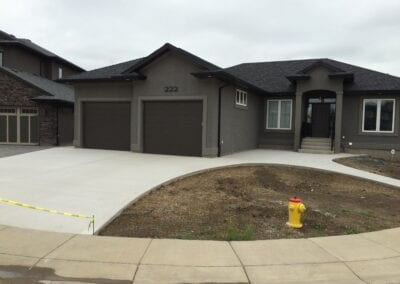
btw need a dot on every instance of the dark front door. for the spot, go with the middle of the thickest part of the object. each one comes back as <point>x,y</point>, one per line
<point>320,120</point>
<point>106,125</point>
<point>173,127</point>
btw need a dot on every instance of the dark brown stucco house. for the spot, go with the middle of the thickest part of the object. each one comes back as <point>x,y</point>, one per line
<point>173,102</point>
<point>34,109</point>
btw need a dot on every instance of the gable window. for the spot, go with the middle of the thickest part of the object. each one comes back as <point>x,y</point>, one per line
<point>60,72</point>
<point>378,115</point>
<point>279,114</point>
<point>241,98</point>
<point>1,58</point>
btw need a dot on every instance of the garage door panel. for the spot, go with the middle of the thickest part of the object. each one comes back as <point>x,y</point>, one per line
<point>173,127</point>
<point>106,125</point>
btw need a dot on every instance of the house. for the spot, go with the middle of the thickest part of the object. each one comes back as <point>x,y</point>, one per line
<point>34,109</point>
<point>173,102</point>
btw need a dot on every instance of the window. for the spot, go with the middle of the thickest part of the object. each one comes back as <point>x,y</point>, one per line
<point>279,114</point>
<point>60,72</point>
<point>241,98</point>
<point>29,110</point>
<point>1,58</point>
<point>378,115</point>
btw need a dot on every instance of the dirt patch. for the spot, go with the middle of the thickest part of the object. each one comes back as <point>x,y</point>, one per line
<point>373,165</point>
<point>250,202</point>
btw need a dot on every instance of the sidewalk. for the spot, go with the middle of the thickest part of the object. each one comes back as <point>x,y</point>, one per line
<point>27,256</point>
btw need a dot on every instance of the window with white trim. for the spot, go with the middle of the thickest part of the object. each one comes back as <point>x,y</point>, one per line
<point>378,115</point>
<point>279,114</point>
<point>241,98</point>
<point>60,72</point>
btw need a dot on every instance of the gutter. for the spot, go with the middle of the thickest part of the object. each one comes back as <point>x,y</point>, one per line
<point>219,117</point>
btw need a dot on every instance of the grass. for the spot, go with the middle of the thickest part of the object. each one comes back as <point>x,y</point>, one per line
<point>232,233</point>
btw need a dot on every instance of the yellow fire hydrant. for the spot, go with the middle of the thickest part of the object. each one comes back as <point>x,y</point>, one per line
<point>296,208</point>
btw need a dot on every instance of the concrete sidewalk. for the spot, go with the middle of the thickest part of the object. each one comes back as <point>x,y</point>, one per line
<point>28,256</point>
<point>102,182</point>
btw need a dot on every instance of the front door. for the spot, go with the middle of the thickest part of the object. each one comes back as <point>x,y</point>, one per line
<point>320,120</point>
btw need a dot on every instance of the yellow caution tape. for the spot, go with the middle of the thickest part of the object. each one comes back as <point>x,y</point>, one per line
<point>19,204</point>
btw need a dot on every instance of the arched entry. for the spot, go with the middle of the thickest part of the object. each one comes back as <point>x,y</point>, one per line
<point>319,111</point>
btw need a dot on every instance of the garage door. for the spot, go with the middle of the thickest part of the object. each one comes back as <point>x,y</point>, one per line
<point>106,125</point>
<point>173,127</point>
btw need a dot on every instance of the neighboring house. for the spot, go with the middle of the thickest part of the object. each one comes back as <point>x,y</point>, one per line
<point>173,102</point>
<point>34,109</point>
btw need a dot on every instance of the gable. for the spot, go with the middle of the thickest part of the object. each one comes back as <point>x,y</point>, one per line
<point>319,79</point>
<point>171,69</point>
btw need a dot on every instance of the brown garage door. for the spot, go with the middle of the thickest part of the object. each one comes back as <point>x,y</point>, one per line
<point>106,125</point>
<point>173,127</point>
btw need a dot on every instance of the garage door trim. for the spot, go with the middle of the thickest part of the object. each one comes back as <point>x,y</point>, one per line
<point>143,99</point>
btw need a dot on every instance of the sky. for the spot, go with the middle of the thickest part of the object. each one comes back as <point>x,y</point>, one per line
<point>97,33</point>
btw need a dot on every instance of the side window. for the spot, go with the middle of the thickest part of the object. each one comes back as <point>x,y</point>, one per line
<point>1,58</point>
<point>60,72</point>
<point>241,98</point>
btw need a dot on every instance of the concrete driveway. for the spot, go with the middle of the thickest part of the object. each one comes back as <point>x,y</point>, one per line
<point>103,182</point>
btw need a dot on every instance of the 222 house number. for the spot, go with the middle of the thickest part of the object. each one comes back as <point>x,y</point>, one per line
<point>170,89</point>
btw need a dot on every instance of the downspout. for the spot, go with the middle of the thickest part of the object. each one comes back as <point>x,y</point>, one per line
<point>219,116</point>
<point>57,132</point>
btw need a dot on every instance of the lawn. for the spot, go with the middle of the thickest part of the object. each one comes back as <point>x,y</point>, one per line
<point>250,202</point>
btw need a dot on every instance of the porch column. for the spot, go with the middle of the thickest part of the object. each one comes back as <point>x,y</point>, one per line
<point>298,120</point>
<point>338,121</point>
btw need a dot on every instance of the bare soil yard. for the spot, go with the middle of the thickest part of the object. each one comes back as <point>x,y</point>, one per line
<point>374,165</point>
<point>250,202</point>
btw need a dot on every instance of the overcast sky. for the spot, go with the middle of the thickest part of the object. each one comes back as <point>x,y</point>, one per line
<point>96,33</point>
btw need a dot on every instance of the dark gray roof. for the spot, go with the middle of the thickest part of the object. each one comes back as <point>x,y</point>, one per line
<point>272,76</point>
<point>108,72</point>
<point>131,69</point>
<point>6,38</point>
<point>52,91</point>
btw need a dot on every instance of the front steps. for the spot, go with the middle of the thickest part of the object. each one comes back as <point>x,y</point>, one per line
<point>316,145</point>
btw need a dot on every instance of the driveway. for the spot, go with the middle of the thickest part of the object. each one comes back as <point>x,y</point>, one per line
<point>11,150</point>
<point>103,182</point>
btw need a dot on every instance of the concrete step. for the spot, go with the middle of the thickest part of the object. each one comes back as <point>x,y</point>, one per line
<point>316,139</point>
<point>328,144</point>
<point>316,147</point>
<point>314,151</point>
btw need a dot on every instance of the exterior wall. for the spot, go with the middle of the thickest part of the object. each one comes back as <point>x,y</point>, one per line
<point>24,60</point>
<point>67,71</point>
<point>240,126</point>
<point>352,126</point>
<point>14,92</point>
<point>107,91</point>
<point>66,125</point>
<point>21,59</point>
<point>172,70</point>
<point>276,139</point>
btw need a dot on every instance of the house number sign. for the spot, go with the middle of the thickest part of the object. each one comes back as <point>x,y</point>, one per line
<point>170,89</point>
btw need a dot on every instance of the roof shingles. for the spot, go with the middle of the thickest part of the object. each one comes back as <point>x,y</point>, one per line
<point>52,91</point>
<point>269,77</point>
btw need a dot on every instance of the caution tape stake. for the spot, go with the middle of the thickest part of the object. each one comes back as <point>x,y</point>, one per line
<point>28,206</point>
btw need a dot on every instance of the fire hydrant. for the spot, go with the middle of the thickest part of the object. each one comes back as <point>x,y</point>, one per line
<point>296,208</point>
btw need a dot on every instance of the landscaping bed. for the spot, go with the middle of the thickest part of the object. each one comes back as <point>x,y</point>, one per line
<point>250,202</point>
<point>374,165</point>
